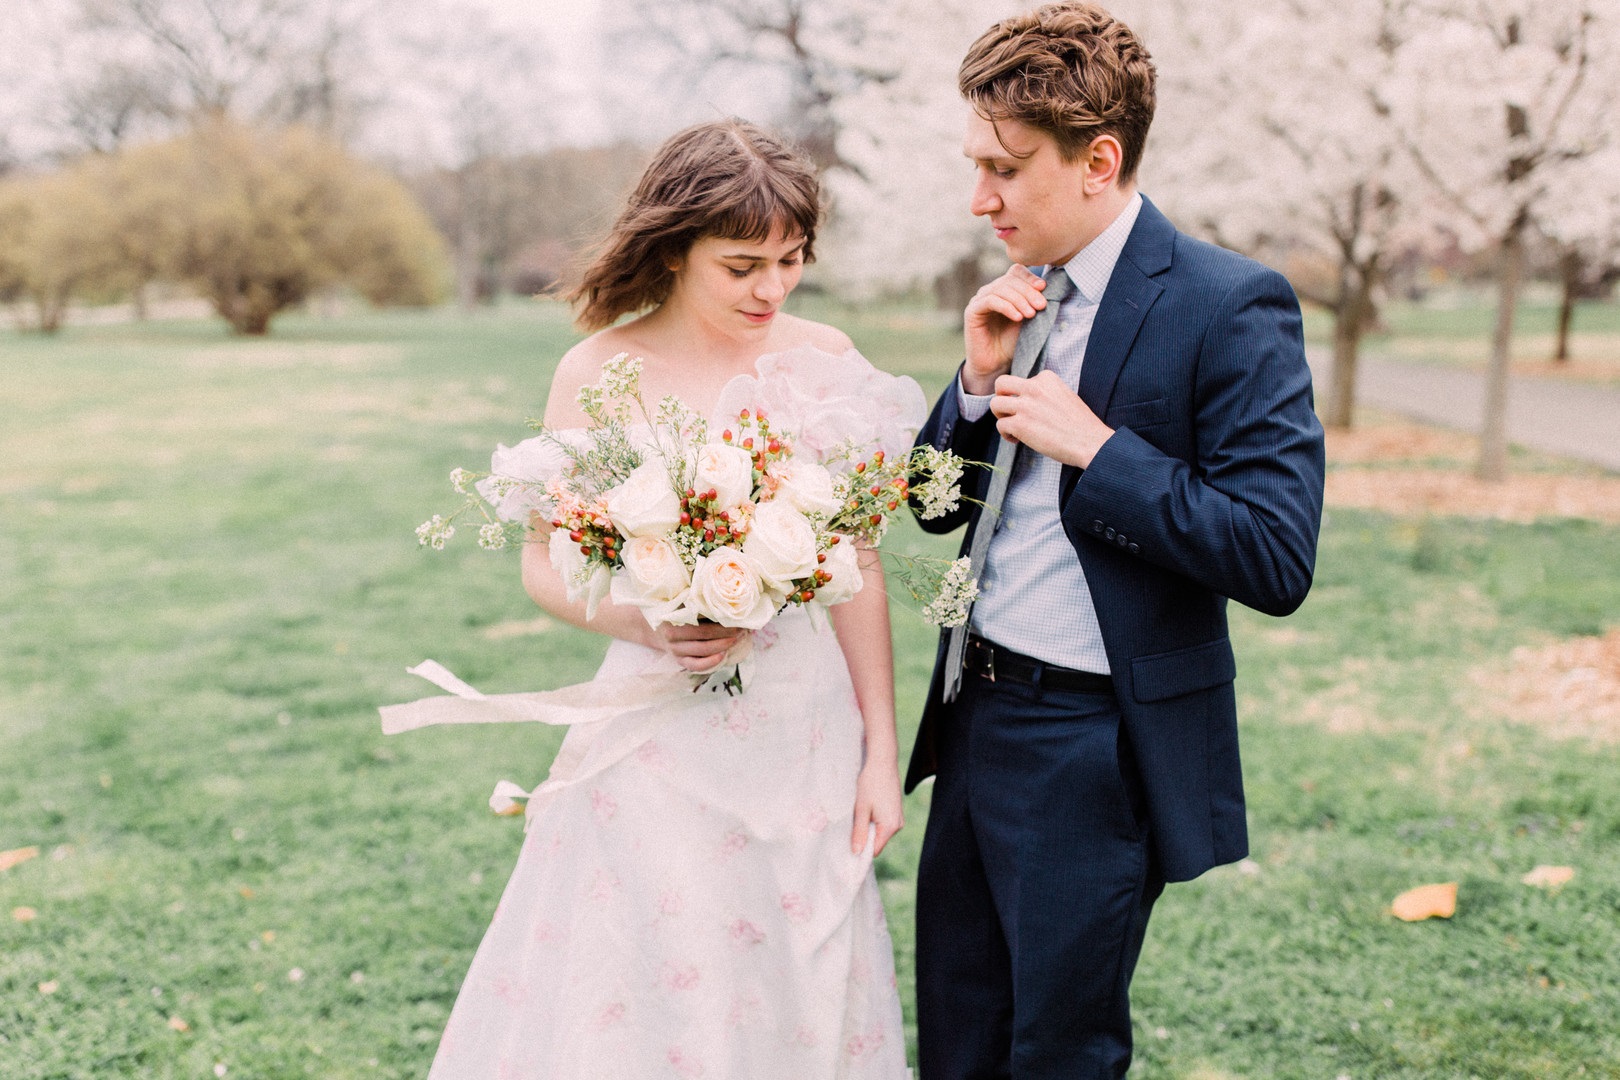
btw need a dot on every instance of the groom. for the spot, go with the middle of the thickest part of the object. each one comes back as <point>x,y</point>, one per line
<point>1148,411</point>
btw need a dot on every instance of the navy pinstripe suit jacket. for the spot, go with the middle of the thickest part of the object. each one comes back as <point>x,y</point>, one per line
<point>1209,489</point>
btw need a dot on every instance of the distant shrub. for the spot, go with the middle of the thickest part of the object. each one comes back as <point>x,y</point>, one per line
<point>255,221</point>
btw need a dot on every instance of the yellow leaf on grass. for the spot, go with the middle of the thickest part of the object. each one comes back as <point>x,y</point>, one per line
<point>1426,902</point>
<point>1549,877</point>
<point>177,1024</point>
<point>24,914</point>
<point>8,859</point>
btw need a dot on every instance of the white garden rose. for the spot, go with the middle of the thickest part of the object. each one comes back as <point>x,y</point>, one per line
<point>645,504</point>
<point>806,486</point>
<point>653,579</point>
<point>729,470</point>
<point>726,589</point>
<point>780,544</point>
<point>584,580</point>
<point>843,563</point>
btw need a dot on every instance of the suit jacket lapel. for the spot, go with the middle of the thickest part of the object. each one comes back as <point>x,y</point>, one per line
<point>1131,291</point>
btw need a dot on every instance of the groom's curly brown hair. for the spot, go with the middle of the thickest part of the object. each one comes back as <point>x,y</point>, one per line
<point>1068,69</point>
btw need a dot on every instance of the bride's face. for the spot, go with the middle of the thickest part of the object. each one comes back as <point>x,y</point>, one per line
<point>737,286</point>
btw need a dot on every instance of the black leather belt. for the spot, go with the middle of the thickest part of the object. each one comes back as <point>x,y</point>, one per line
<point>995,663</point>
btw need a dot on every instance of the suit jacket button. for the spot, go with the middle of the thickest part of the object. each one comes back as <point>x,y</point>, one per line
<point>945,436</point>
<point>1096,526</point>
<point>1136,548</point>
<point>1121,539</point>
<point>1109,534</point>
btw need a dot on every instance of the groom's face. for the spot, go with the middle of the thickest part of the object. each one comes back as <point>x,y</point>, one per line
<point>1036,202</point>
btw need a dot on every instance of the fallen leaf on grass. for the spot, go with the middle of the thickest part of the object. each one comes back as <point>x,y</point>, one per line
<point>16,856</point>
<point>24,914</point>
<point>1549,877</point>
<point>177,1024</point>
<point>1426,902</point>
<point>50,986</point>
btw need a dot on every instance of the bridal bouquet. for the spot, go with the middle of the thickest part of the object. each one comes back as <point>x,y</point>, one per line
<point>656,511</point>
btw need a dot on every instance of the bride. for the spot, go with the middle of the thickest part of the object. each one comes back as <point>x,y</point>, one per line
<point>706,906</point>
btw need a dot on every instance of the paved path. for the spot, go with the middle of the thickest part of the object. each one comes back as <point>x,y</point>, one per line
<point>1568,418</point>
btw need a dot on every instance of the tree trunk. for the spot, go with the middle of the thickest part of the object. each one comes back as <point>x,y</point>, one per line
<point>1352,315</point>
<point>1493,435</point>
<point>1569,277</point>
<point>52,307</point>
<point>957,285</point>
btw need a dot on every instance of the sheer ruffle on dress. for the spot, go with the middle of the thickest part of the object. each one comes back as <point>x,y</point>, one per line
<point>685,903</point>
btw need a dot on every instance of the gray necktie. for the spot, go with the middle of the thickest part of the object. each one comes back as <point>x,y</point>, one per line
<point>1031,343</point>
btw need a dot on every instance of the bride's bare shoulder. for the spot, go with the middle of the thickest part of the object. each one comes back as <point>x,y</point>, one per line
<point>797,332</point>
<point>582,366</point>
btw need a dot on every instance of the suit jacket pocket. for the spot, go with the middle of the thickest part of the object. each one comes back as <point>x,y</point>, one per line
<point>1184,671</point>
<point>1140,414</point>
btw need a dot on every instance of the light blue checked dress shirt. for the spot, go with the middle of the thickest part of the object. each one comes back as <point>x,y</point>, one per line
<point>1033,596</point>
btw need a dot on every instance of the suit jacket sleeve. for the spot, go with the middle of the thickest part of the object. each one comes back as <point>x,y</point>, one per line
<point>974,441</point>
<point>1243,519</point>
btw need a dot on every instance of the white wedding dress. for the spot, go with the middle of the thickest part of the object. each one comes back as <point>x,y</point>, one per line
<point>685,903</point>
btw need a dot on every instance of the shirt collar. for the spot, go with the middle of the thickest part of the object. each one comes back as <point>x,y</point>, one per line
<point>1092,266</point>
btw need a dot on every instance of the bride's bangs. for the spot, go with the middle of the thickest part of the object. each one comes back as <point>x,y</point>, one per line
<point>774,204</point>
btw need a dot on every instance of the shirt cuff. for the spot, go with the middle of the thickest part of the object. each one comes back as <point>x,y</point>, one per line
<point>971,406</point>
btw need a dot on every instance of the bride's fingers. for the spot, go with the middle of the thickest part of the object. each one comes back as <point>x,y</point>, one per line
<point>861,833</point>
<point>885,832</point>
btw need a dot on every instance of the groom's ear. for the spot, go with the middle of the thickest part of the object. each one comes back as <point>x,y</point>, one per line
<point>1102,160</point>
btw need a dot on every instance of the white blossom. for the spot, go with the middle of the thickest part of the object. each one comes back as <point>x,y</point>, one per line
<point>957,591</point>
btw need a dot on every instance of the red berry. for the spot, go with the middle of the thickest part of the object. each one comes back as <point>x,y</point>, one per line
<point>760,414</point>
<point>861,467</point>
<point>584,549</point>
<point>576,536</point>
<point>821,556</point>
<point>878,457</point>
<point>690,494</point>
<point>686,519</point>
<point>748,444</point>
<point>894,504</point>
<point>834,540</point>
<point>712,495</point>
<point>807,596</point>
<point>725,515</point>
<point>743,414</point>
<point>773,446</point>
<point>876,519</point>
<point>708,535</point>
<point>876,490</point>
<point>726,435</point>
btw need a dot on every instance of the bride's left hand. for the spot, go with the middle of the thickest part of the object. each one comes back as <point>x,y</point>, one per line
<point>877,803</point>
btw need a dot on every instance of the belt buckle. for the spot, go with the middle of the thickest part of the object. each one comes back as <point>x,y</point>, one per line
<point>989,669</point>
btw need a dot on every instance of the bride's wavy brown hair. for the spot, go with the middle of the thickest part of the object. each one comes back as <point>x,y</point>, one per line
<point>726,178</point>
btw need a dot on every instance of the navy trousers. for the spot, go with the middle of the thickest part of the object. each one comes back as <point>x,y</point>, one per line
<point>1033,891</point>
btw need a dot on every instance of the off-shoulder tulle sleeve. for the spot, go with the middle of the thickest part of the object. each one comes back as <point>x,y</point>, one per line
<point>535,462</point>
<point>828,400</point>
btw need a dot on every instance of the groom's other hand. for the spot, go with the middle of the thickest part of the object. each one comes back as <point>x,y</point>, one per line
<point>1047,416</point>
<point>990,326</point>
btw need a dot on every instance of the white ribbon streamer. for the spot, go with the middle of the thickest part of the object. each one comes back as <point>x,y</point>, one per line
<point>610,717</point>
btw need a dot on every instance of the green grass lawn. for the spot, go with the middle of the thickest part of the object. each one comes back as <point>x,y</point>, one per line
<point>208,582</point>
<point>1459,333</point>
